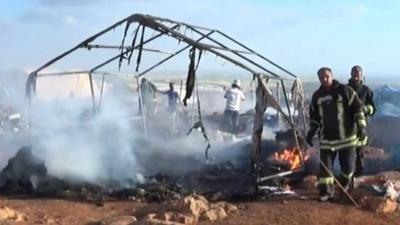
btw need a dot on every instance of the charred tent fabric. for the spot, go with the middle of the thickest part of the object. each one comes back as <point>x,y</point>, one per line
<point>201,39</point>
<point>191,77</point>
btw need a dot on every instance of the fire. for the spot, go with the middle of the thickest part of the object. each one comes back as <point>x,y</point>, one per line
<point>293,156</point>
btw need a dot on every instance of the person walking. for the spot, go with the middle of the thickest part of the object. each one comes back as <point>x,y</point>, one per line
<point>366,95</point>
<point>337,114</point>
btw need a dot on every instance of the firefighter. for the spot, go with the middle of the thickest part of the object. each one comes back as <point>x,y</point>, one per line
<point>337,114</point>
<point>366,95</point>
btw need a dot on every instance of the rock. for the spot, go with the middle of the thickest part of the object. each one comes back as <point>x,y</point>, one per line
<point>228,207</point>
<point>379,204</point>
<point>186,211</point>
<point>195,204</point>
<point>180,218</point>
<point>174,217</point>
<point>214,214</point>
<point>218,211</point>
<point>157,219</point>
<point>119,220</point>
<point>7,214</point>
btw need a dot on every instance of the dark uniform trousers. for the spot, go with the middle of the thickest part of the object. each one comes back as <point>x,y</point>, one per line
<point>359,162</point>
<point>346,160</point>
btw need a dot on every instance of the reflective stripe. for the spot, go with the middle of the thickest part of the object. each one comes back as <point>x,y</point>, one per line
<point>362,123</point>
<point>363,142</point>
<point>326,180</point>
<point>361,119</point>
<point>360,116</point>
<point>347,176</point>
<point>340,117</point>
<point>353,95</point>
<point>370,109</point>
<point>321,113</point>
<point>352,137</point>
<point>339,147</point>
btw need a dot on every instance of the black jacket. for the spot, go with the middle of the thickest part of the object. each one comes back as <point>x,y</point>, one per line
<point>336,114</point>
<point>366,95</point>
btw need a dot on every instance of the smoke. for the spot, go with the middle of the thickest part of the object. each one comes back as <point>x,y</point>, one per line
<point>12,84</point>
<point>77,143</point>
<point>109,145</point>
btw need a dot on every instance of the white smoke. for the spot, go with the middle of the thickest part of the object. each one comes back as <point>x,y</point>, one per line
<point>77,143</point>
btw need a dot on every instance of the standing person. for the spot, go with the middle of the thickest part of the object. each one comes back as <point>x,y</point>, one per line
<point>366,95</point>
<point>172,97</point>
<point>172,103</point>
<point>336,112</point>
<point>233,96</point>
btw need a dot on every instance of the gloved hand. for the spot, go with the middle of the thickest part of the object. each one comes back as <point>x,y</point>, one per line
<point>368,111</point>
<point>361,133</point>
<point>310,134</point>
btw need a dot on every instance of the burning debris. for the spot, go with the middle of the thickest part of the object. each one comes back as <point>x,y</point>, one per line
<point>293,157</point>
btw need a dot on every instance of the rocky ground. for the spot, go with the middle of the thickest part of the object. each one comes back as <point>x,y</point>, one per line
<point>266,212</point>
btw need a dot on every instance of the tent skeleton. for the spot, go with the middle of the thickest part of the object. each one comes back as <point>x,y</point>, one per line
<point>207,40</point>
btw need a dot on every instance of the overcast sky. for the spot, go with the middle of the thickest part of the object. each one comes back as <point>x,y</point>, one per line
<point>300,35</point>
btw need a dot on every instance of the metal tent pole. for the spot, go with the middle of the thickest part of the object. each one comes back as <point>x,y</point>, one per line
<point>142,108</point>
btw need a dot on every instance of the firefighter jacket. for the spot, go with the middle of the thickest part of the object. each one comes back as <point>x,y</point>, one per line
<point>336,113</point>
<point>366,95</point>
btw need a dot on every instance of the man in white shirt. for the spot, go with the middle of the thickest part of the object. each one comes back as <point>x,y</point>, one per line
<point>233,98</point>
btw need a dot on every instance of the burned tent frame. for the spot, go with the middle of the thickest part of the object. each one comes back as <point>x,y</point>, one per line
<point>176,30</point>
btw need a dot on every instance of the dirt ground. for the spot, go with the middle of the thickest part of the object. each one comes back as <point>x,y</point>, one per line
<point>263,212</point>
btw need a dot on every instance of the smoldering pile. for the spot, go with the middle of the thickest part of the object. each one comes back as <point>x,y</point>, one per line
<point>27,174</point>
<point>227,175</point>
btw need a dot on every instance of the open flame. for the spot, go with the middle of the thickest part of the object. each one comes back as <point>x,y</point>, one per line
<point>293,156</point>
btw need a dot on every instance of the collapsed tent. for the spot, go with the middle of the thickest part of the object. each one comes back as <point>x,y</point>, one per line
<point>198,41</point>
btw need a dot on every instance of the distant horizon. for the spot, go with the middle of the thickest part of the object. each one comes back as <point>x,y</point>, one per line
<point>228,75</point>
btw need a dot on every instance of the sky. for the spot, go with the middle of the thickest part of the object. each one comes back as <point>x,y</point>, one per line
<point>299,35</point>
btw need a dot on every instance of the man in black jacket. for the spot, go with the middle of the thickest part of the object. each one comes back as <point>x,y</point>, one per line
<point>366,95</point>
<point>337,113</point>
